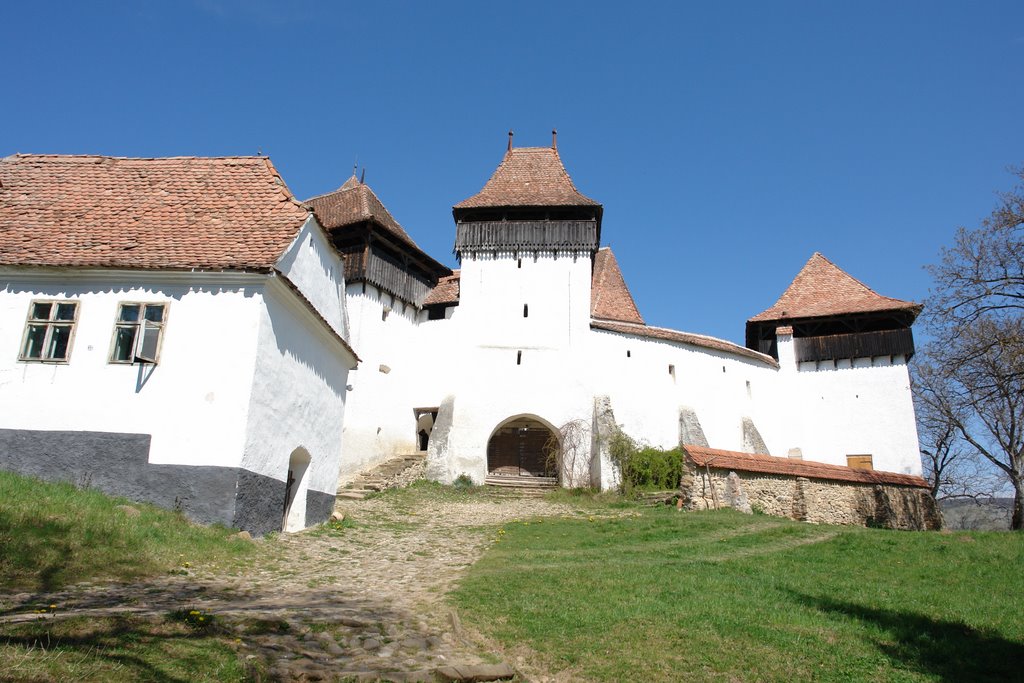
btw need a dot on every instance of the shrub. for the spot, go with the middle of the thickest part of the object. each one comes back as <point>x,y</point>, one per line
<point>463,481</point>
<point>644,468</point>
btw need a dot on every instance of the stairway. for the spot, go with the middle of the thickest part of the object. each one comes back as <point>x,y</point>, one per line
<point>529,486</point>
<point>396,471</point>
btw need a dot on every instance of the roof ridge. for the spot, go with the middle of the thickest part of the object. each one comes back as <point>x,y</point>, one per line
<point>22,155</point>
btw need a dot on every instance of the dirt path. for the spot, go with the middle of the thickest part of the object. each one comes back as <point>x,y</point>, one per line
<point>359,602</point>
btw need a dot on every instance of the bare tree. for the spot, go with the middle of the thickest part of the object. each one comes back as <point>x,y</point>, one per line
<point>982,274</point>
<point>569,453</point>
<point>975,367</point>
<point>951,467</point>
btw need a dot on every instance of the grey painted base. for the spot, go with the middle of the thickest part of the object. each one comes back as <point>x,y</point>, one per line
<point>118,464</point>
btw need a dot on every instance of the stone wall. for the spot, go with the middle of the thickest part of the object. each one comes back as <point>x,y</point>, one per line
<point>811,500</point>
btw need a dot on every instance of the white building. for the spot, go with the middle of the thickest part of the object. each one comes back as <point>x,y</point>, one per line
<point>178,330</point>
<point>172,330</point>
<point>538,329</point>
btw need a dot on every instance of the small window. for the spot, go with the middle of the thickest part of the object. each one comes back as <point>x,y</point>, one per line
<point>384,314</point>
<point>48,331</point>
<point>628,353</point>
<point>859,462</point>
<point>519,263</point>
<point>526,310</point>
<point>672,371</point>
<point>137,333</point>
<point>519,357</point>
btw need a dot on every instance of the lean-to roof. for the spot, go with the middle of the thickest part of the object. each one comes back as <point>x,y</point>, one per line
<point>665,334</point>
<point>446,291</point>
<point>768,464</point>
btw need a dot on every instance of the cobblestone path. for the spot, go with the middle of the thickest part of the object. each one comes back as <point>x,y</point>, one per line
<point>359,601</point>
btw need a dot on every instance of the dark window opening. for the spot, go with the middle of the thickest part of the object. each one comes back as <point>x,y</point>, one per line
<point>519,357</point>
<point>526,310</point>
<point>628,353</point>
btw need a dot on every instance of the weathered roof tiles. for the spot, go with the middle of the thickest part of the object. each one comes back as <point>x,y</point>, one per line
<point>822,289</point>
<point>528,176</point>
<point>219,213</point>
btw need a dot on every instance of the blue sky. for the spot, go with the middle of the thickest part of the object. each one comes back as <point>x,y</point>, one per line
<point>727,141</point>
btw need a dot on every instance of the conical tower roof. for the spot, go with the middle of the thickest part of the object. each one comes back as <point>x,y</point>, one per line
<point>823,289</point>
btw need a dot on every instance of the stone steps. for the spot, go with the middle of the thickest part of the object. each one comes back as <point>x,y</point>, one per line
<point>380,477</point>
<point>526,486</point>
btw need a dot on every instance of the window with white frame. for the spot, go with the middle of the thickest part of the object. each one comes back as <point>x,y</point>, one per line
<point>48,331</point>
<point>137,333</point>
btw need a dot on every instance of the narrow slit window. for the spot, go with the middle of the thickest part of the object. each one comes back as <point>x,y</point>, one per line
<point>526,310</point>
<point>519,263</point>
<point>672,371</point>
<point>629,354</point>
<point>519,357</point>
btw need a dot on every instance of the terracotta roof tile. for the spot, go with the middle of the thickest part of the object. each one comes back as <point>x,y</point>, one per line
<point>664,334</point>
<point>822,289</point>
<point>609,296</point>
<point>354,202</point>
<point>446,291</point>
<point>218,213</point>
<point>528,176</point>
<point>767,464</point>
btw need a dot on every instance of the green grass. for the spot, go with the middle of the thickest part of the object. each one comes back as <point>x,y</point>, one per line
<point>661,595</point>
<point>118,648</point>
<point>52,535</point>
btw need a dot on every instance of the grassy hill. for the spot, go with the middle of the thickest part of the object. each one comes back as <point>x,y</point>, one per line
<point>52,534</point>
<point>660,595</point>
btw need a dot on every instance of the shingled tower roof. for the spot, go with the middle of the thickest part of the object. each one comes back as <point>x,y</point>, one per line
<point>823,289</point>
<point>529,176</point>
<point>354,202</point>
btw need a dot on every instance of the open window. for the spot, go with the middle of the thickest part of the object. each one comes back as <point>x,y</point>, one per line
<point>48,331</point>
<point>138,332</point>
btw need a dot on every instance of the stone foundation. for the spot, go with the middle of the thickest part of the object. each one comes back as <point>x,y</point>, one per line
<point>891,506</point>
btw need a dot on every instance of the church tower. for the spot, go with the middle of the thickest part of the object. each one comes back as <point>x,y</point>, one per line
<point>526,243</point>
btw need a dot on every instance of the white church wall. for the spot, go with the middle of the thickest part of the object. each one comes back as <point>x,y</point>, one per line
<point>861,406</point>
<point>380,421</point>
<point>649,380</point>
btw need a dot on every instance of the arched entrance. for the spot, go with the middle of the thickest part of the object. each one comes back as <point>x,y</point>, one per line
<point>295,488</point>
<point>520,447</point>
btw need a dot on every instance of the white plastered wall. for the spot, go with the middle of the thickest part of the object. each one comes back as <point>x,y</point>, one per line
<point>194,402</point>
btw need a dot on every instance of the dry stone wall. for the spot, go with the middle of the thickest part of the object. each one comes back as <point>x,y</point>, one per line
<point>811,500</point>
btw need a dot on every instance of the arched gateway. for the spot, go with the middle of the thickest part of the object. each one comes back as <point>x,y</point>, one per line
<point>520,447</point>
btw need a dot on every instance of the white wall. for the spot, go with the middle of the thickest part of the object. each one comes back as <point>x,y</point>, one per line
<point>298,394</point>
<point>313,265</point>
<point>852,407</point>
<point>194,402</point>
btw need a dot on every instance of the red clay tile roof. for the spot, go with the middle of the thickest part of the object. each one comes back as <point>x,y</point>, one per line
<point>767,464</point>
<point>220,213</point>
<point>446,291</point>
<point>609,296</point>
<point>528,176</point>
<point>683,338</point>
<point>822,289</point>
<point>354,202</point>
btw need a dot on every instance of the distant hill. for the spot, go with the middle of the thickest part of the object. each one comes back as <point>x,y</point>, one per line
<point>990,515</point>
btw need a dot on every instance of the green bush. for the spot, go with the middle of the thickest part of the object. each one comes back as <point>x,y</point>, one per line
<point>644,468</point>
